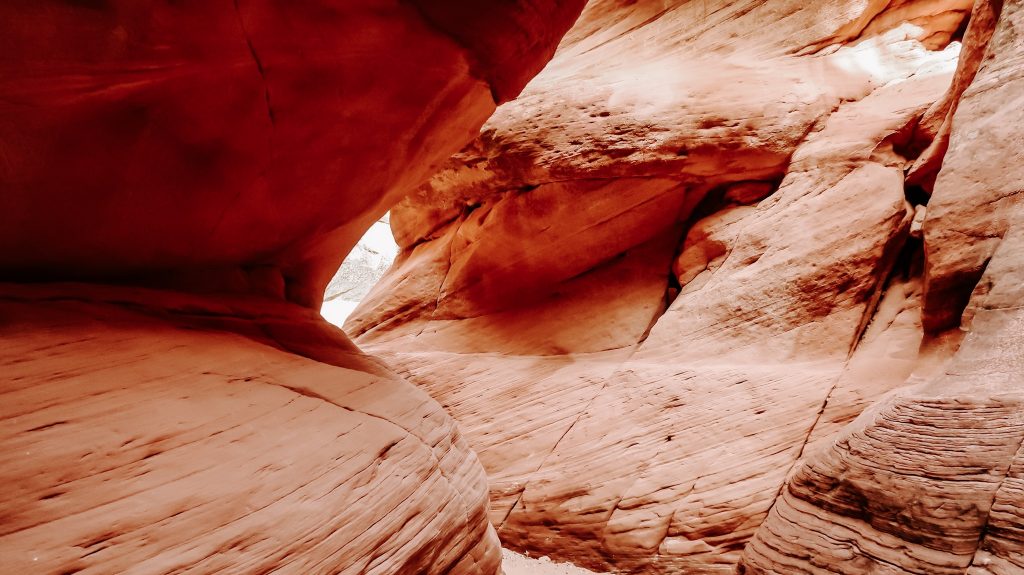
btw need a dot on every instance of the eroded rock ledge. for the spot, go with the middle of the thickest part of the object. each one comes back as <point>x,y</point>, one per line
<point>663,287</point>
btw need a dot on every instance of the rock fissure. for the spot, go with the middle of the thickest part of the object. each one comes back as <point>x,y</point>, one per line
<point>256,60</point>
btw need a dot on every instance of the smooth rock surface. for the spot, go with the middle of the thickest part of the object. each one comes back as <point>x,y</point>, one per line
<point>249,142</point>
<point>231,154</point>
<point>151,432</point>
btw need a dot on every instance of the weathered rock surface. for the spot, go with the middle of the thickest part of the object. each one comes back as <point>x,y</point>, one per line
<point>928,480</point>
<point>149,432</point>
<point>659,287</point>
<point>235,148</point>
<point>732,285</point>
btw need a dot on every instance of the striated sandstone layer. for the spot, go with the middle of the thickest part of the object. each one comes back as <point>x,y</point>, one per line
<point>929,479</point>
<point>154,432</point>
<point>659,287</point>
<point>230,153</point>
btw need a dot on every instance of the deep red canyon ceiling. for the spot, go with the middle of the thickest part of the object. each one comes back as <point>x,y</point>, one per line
<point>141,138</point>
<point>234,147</point>
<point>731,286</point>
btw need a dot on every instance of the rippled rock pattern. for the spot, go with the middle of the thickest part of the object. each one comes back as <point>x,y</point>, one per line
<point>229,153</point>
<point>732,285</point>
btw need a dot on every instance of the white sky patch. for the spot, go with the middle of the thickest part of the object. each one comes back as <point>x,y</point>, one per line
<point>363,267</point>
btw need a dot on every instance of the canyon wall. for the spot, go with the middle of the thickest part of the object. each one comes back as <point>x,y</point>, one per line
<point>733,286</point>
<point>178,183</point>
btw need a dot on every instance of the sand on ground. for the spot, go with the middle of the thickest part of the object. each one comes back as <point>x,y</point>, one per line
<point>515,564</point>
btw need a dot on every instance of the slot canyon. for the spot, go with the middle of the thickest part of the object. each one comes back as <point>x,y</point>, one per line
<point>677,287</point>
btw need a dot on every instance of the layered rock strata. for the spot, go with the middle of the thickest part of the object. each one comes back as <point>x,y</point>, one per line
<point>154,432</point>
<point>928,480</point>
<point>231,154</point>
<point>662,286</point>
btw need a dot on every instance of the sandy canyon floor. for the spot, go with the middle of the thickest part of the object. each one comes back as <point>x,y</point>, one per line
<point>515,564</point>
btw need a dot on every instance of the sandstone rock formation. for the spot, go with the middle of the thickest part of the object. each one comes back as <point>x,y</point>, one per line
<point>226,435</point>
<point>695,296</point>
<point>257,133</point>
<point>928,480</point>
<point>230,154</point>
<point>731,286</point>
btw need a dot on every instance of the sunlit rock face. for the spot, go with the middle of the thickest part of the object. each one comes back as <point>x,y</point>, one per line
<point>662,288</point>
<point>229,153</point>
<point>930,479</point>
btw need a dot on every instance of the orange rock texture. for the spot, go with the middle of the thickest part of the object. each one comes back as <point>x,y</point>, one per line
<point>731,286</point>
<point>230,154</point>
<point>734,286</point>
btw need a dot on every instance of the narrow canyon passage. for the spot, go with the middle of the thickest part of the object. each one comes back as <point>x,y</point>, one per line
<point>644,287</point>
<point>659,287</point>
